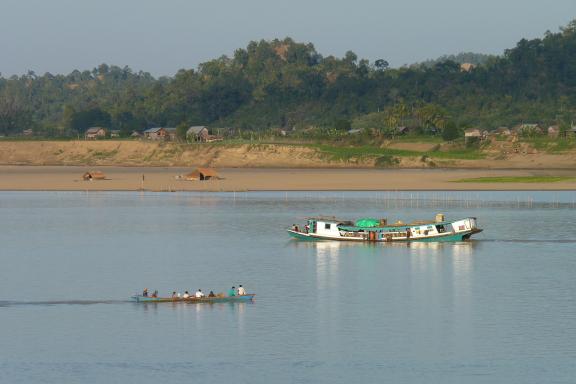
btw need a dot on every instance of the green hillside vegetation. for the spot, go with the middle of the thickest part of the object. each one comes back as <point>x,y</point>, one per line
<point>517,179</point>
<point>461,58</point>
<point>282,84</point>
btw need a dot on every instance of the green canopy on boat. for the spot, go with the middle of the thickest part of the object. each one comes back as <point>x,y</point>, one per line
<point>367,223</point>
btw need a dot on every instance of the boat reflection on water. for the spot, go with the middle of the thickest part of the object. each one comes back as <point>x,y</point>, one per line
<point>327,265</point>
<point>460,247</point>
<point>428,257</point>
<point>333,247</point>
<point>450,264</point>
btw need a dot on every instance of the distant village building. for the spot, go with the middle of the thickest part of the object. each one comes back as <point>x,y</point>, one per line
<point>472,134</point>
<point>115,133</point>
<point>467,67</point>
<point>157,133</point>
<point>354,131</point>
<point>135,135</point>
<point>503,131</point>
<point>94,175</point>
<point>95,133</point>
<point>170,134</point>
<point>160,133</point>
<point>202,135</point>
<point>202,174</point>
<point>528,130</point>
<point>198,133</point>
<point>27,132</point>
<point>402,130</point>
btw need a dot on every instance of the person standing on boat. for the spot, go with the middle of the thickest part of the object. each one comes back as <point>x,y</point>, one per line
<point>241,290</point>
<point>211,294</point>
<point>174,295</point>
<point>307,228</point>
<point>232,292</point>
<point>199,294</point>
<point>145,292</point>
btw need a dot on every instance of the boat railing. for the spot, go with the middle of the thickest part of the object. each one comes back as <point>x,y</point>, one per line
<point>351,234</point>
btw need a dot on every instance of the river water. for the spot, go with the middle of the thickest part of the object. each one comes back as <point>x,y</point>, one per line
<point>499,309</point>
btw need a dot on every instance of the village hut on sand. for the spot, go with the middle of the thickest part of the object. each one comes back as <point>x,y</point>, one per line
<point>202,174</point>
<point>94,175</point>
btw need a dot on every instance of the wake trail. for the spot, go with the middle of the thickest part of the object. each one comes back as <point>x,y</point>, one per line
<point>549,241</point>
<point>8,303</point>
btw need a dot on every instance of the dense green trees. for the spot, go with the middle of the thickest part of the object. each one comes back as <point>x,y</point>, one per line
<point>95,117</point>
<point>281,83</point>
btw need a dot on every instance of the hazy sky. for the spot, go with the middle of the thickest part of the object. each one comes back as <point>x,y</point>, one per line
<point>161,37</point>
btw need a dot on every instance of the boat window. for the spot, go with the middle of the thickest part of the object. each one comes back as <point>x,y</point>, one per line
<point>443,228</point>
<point>327,226</point>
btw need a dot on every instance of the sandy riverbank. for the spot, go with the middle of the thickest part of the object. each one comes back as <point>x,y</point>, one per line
<point>69,178</point>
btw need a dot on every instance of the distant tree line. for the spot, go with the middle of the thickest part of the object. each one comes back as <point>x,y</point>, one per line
<point>289,85</point>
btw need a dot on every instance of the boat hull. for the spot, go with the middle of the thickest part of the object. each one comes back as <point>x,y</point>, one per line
<point>460,236</point>
<point>228,299</point>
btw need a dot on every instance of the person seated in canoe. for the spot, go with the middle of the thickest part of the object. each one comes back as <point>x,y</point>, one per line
<point>295,228</point>
<point>241,290</point>
<point>155,294</point>
<point>185,295</point>
<point>211,294</point>
<point>174,295</point>
<point>232,292</point>
<point>199,294</point>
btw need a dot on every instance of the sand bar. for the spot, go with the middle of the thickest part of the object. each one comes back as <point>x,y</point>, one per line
<point>69,178</point>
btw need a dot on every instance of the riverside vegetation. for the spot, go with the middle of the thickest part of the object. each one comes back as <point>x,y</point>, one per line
<point>282,84</point>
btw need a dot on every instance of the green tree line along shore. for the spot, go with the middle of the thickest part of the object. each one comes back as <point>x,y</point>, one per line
<point>285,85</point>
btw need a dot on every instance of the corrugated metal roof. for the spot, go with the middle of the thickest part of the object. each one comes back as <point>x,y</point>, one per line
<point>153,130</point>
<point>195,129</point>
<point>94,129</point>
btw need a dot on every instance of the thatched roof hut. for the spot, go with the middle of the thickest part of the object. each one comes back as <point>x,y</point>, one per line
<point>94,175</point>
<point>202,174</point>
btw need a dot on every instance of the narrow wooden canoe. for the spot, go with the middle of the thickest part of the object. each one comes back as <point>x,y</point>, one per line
<point>205,299</point>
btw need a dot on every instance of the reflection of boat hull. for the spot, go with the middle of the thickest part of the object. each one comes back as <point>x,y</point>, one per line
<point>229,299</point>
<point>437,231</point>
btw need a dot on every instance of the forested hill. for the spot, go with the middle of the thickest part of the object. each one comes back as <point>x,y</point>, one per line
<point>461,58</point>
<point>282,83</point>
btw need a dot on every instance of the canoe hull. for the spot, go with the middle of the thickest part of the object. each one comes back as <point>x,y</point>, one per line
<point>231,299</point>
